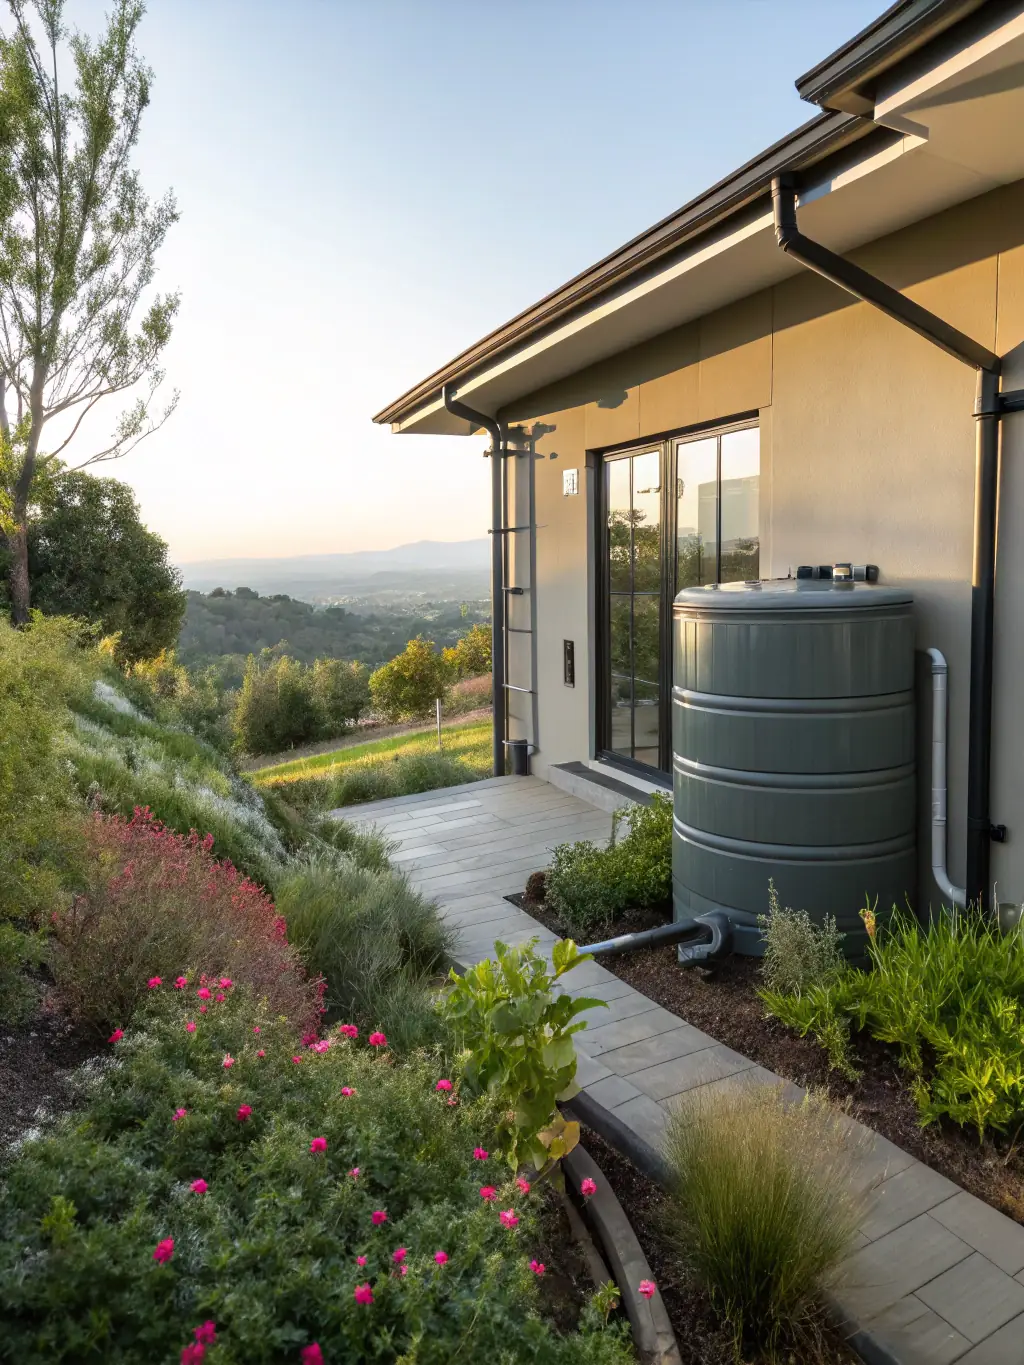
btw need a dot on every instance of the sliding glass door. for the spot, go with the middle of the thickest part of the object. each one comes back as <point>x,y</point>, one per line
<point>652,545</point>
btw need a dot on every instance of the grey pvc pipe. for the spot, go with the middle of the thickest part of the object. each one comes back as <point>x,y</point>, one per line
<point>940,712</point>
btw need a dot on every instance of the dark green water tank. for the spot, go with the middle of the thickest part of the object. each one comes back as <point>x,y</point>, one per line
<point>793,751</point>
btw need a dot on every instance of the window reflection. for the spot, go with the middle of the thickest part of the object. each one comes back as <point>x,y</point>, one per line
<point>741,467</point>
<point>696,513</point>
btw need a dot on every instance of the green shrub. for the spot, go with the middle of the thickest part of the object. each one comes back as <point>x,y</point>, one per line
<point>367,848</point>
<point>950,998</point>
<point>471,657</point>
<point>18,952</point>
<point>268,1252</point>
<point>762,1209</point>
<point>283,702</point>
<point>517,1041</point>
<point>798,954</point>
<point>168,692</point>
<point>409,685</point>
<point>589,886</point>
<point>42,669</point>
<point>376,940</point>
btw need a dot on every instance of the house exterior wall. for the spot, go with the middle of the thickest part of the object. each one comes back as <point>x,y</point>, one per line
<point>867,454</point>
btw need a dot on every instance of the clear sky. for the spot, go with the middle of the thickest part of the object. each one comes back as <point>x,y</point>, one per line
<point>368,186</point>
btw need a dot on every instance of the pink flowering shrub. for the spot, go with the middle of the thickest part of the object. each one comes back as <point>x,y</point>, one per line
<point>156,903</point>
<point>380,1192</point>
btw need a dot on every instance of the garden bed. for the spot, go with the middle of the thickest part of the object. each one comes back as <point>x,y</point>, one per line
<point>699,1334</point>
<point>724,1004</point>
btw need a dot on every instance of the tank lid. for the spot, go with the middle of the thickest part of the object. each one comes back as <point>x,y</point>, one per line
<point>791,594</point>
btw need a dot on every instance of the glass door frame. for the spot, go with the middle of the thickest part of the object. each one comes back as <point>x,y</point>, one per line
<point>666,446</point>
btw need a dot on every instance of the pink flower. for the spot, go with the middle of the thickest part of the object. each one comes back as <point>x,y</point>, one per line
<point>163,1251</point>
<point>402,1270</point>
<point>198,1186</point>
<point>647,1288</point>
<point>228,1061</point>
<point>480,1153</point>
<point>363,1293</point>
<point>221,997</point>
<point>360,1260</point>
<point>312,1354</point>
<point>441,1257</point>
<point>354,1172</point>
<point>377,1040</point>
<point>206,1331</point>
<point>538,1267</point>
<point>178,1115</point>
<point>348,1090</point>
<point>443,1085</point>
<point>399,1255</point>
<point>349,1030</point>
<point>193,1354</point>
<point>202,1009</point>
<point>297,1060</point>
<point>116,1036</point>
<point>244,1112</point>
<point>180,982</point>
<point>377,1217</point>
<point>321,1046</point>
<point>154,981</point>
<point>261,1053</point>
<point>256,1028</point>
<point>204,992</point>
<point>226,982</point>
<point>318,1145</point>
<point>508,1218</point>
<point>190,1027</point>
<point>489,1193</point>
<point>308,1039</point>
<point>453,1101</point>
<point>524,1185</point>
<point>588,1187</point>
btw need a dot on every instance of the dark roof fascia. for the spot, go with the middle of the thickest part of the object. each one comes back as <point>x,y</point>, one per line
<point>810,144</point>
<point>839,81</point>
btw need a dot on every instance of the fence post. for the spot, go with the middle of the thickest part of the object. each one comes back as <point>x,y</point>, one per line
<point>439,750</point>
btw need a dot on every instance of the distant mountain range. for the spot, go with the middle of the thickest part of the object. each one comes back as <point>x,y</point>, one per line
<point>426,567</point>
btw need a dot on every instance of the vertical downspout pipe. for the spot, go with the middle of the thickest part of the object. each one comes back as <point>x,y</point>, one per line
<point>496,430</point>
<point>957,895</point>
<point>870,289</point>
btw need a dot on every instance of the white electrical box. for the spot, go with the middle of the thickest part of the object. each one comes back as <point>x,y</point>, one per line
<point>570,482</point>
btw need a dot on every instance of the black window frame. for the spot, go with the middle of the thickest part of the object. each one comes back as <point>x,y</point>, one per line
<point>667,444</point>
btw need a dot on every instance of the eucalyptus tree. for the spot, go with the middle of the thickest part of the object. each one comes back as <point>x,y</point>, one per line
<point>79,319</point>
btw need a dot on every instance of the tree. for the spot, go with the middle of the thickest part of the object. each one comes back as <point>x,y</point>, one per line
<point>410,683</point>
<point>90,556</point>
<point>472,655</point>
<point>341,694</point>
<point>78,242</point>
<point>282,702</point>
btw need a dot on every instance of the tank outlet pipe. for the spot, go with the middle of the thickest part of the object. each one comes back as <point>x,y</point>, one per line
<point>988,408</point>
<point>499,442</point>
<point>956,894</point>
<point>707,937</point>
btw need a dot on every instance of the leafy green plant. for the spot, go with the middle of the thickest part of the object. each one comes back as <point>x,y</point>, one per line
<point>18,951</point>
<point>409,684</point>
<point>589,886</point>
<point>797,952</point>
<point>949,997</point>
<point>762,1208</point>
<point>293,1161</point>
<point>378,779</point>
<point>517,1041</point>
<point>471,656</point>
<point>375,939</point>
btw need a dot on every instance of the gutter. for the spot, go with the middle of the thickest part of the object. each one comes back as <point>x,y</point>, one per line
<point>498,452</point>
<point>989,407</point>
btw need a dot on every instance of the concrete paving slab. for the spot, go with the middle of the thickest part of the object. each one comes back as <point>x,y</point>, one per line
<point>975,1297</point>
<point>622,1007</point>
<point>631,1030</point>
<point>895,1201</point>
<point>663,1047</point>
<point>885,1271</point>
<point>915,1335</point>
<point>646,1118</point>
<point>983,1228</point>
<point>612,1091</point>
<point>665,1079</point>
<point>1005,1347</point>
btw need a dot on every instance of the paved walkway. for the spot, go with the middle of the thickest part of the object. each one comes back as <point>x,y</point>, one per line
<point>937,1277</point>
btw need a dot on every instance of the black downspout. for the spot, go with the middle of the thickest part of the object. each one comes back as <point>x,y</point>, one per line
<point>496,431</point>
<point>987,411</point>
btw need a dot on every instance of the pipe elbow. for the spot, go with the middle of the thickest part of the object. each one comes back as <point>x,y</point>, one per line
<point>938,662</point>
<point>784,212</point>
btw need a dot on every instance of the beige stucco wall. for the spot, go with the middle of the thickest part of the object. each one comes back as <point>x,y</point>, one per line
<point>867,454</point>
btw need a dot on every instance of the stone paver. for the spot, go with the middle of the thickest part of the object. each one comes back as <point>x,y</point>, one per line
<point>936,1276</point>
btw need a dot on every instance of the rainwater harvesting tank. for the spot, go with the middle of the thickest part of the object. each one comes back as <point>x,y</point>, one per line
<point>793,751</point>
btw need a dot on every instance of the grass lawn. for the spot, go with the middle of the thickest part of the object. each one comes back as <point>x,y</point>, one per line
<point>469,743</point>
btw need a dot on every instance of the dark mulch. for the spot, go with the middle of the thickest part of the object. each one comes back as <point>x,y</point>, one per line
<point>701,1338</point>
<point>36,1062</point>
<point>565,1285</point>
<point>723,1003</point>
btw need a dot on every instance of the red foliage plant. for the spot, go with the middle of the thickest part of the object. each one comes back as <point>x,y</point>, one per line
<point>157,903</point>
